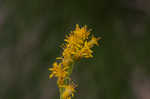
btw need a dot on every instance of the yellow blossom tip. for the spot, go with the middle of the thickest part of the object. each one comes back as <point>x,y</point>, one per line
<point>50,69</point>
<point>77,27</point>
<point>59,58</point>
<point>69,91</point>
<point>51,75</point>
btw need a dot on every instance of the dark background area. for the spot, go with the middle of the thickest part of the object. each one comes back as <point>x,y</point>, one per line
<point>31,32</point>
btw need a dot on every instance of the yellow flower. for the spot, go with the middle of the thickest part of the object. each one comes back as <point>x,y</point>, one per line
<point>77,45</point>
<point>93,41</point>
<point>76,38</point>
<point>84,52</point>
<point>58,71</point>
<point>82,33</point>
<point>69,91</point>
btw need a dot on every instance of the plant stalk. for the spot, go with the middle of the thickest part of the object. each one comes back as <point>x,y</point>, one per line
<point>66,81</point>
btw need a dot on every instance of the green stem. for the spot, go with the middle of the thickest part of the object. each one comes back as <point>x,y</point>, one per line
<point>61,90</point>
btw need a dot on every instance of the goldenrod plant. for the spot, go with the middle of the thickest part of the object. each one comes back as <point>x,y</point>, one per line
<point>77,45</point>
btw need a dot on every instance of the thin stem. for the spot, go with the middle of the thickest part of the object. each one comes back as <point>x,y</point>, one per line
<point>66,81</point>
<point>61,93</point>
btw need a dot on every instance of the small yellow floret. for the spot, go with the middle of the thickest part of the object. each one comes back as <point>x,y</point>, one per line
<point>58,71</point>
<point>69,91</point>
<point>93,41</point>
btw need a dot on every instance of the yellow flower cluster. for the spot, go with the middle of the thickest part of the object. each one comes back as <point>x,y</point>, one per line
<point>69,91</point>
<point>77,45</point>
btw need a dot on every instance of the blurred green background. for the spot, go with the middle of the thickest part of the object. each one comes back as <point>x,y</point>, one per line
<point>31,32</point>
